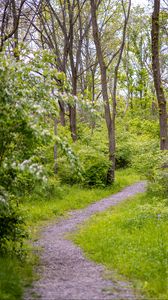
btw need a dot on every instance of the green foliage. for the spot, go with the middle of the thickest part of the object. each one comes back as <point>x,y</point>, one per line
<point>148,128</point>
<point>69,166</point>
<point>91,171</point>
<point>95,166</point>
<point>159,171</point>
<point>124,151</point>
<point>137,140</point>
<point>145,157</point>
<point>149,161</point>
<point>132,238</point>
<point>26,99</point>
<point>86,161</point>
<point>22,125</point>
<point>96,174</point>
<point>12,229</point>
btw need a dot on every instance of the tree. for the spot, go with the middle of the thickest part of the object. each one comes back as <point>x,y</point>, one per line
<point>136,69</point>
<point>10,15</point>
<point>109,114</point>
<point>155,33</point>
<point>62,28</point>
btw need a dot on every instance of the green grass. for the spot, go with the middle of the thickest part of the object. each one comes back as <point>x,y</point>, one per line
<point>14,277</point>
<point>132,239</point>
<point>39,208</point>
<point>10,287</point>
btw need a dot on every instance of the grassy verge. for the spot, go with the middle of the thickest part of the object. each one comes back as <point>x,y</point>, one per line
<point>38,209</point>
<point>132,239</point>
<point>14,276</point>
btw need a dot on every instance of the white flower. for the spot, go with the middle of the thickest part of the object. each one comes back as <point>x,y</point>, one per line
<point>13,165</point>
<point>21,167</point>
<point>158,216</point>
<point>45,132</point>
<point>2,199</point>
<point>5,164</point>
<point>44,178</point>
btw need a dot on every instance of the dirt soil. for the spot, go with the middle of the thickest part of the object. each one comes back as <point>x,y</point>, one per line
<point>65,273</point>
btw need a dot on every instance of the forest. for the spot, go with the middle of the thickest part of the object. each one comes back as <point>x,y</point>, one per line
<point>83,126</point>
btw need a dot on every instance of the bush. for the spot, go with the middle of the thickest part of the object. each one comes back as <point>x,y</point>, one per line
<point>12,231</point>
<point>123,156</point>
<point>96,174</point>
<point>145,157</point>
<point>124,148</point>
<point>153,163</point>
<point>159,180</point>
<point>88,168</point>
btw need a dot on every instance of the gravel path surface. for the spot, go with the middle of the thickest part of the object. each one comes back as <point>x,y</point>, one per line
<point>65,272</point>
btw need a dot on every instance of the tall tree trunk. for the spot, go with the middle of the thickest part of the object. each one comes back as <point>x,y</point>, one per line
<point>72,115</point>
<point>16,35</point>
<point>114,96</point>
<point>72,109</point>
<point>157,77</point>
<point>103,71</point>
<point>62,112</point>
<point>55,148</point>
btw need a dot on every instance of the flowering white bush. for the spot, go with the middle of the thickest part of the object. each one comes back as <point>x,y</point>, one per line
<point>28,106</point>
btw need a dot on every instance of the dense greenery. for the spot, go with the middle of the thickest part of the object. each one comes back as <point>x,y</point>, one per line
<point>22,131</point>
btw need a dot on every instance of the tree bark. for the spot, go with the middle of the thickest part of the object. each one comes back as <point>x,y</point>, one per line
<point>109,116</point>
<point>114,96</point>
<point>72,108</point>
<point>55,148</point>
<point>157,77</point>
<point>7,33</point>
<point>16,35</point>
<point>62,112</point>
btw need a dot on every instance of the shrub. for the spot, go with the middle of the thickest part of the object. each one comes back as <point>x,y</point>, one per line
<point>123,156</point>
<point>145,157</point>
<point>95,165</point>
<point>84,164</point>
<point>159,180</point>
<point>96,174</point>
<point>124,148</point>
<point>12,231</point>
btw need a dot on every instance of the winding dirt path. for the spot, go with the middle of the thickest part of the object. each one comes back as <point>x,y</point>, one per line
<point>65,272</point>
